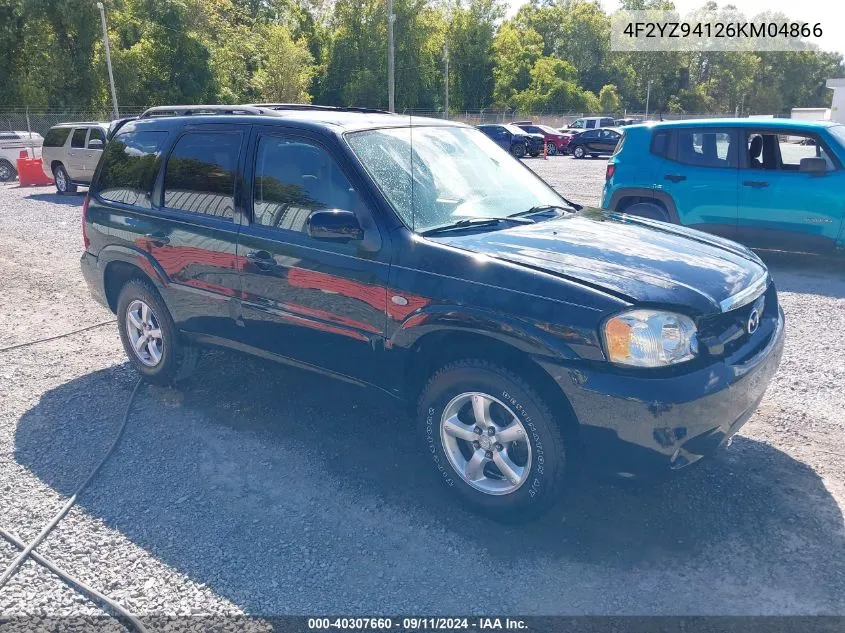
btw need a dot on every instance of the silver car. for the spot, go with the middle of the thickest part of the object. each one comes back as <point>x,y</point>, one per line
<point>71,152</point>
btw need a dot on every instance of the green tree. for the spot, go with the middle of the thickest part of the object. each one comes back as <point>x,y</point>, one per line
<point>609,100</point>
<point>471,34</point>
<point>515,53</point>
<point>286,68</point>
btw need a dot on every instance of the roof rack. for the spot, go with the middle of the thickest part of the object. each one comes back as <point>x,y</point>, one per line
<point>191,110</point>
<point>311,106</point>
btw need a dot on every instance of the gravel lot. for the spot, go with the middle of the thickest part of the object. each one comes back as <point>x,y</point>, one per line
<point>250,491</point>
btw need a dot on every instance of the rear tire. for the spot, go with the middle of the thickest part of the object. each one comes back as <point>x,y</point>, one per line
<point>149,336</point>
<point>579,152</point>
<point>7,172</point>
<point>649,210</point>
<point>62,180</point>
<point>518,431</point>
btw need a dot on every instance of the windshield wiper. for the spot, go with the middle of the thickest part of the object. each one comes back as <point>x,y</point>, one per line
<point>475,222</point>
<point>542,208</point>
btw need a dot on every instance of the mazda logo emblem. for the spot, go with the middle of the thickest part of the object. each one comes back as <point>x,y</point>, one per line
<point>753,321</point>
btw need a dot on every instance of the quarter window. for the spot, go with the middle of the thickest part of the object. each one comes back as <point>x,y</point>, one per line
<point>294,177</point>
<point>660,143</point>
<point>56,137</point>
<point>129,167</point>
<point>78,139</point>
<point>706,148</point>
<point>200,173</point>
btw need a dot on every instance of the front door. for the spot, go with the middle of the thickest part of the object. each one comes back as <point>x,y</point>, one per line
<point>782,207</point>
<point>700,174</point>
<point>322,303</point>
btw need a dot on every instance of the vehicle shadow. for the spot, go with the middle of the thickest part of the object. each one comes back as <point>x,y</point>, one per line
<point>74,199</point>
<point>808,274</point>
<point>256,477</point>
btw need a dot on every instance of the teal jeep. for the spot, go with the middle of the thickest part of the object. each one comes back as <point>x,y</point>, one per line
<point>768,183</point>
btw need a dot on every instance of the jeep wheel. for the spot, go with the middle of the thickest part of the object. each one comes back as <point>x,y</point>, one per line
<point>518,150</point>
<point>149,336</point>
<point>63,183</point>
<point>648,210</point>
<point>551,149</point>
<point>493,440</point>
<point>578,152</point>
<point>7,172</point>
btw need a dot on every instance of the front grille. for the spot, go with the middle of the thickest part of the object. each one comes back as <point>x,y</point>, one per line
<point>725,333</point>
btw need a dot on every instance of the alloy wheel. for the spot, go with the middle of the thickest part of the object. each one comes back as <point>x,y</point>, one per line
<point>485,443</point>
<point>61,179</point>
<point>5,172</point>
<point>144,333</point>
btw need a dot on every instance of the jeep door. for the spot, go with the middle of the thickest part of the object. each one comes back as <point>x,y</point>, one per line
<point>315,301</point>
<point>783,207</point>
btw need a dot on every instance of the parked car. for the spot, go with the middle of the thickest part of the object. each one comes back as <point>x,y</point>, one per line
<point>600,142</point>
<point>626,122</point>
<point>11,146</point>
<point>71,152</point>
<point>430,264</point>
<point>588,123</point>
<point>513,139</point>
<point>556,142</point>
<point>769,183</point>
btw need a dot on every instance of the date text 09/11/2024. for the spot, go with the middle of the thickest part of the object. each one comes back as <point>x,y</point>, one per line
<point>418,624</point>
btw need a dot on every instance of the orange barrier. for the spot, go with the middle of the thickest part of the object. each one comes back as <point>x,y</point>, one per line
<point>30,172</point>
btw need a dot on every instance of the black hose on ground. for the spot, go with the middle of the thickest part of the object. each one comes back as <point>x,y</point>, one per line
<point>58,336</point>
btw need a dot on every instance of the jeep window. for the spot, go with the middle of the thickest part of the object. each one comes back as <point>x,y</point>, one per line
<point>78,139</point>
<point>705,148</point>
<point>96,134</point>
<point>795,147</point>
<point>56,137</point>
<point>294,177</point>
<point>660,143</point>
<point>434,176</point>
<point>200,173</point>
<point>129,167</point>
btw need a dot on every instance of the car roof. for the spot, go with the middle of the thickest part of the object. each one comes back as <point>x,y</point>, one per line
<point>796,124</point>
<point>81,123</point>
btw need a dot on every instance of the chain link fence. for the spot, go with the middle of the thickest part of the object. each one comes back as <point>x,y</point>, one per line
<point>41,120</point>
<point>552,119</point>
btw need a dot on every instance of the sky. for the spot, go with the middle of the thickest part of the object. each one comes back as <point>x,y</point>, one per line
<point>829,13</point>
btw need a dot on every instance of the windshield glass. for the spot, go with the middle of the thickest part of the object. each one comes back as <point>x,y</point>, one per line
<point>838,132</point>
<point>547,129</point>
<point>452,173</point>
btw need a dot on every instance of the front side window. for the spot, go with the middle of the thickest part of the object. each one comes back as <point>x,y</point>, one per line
<point>56,137</point>
<point>200,173</point>
<point>129,167</point>
<point>435,176</point>
<point>294,177</point>
<point>578,124</point>
<point>78,139</point>
<point>705,148</point>
<point>96,134</point>
<point>795,147</point>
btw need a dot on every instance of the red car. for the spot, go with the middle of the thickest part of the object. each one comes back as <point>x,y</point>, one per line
<point>556,142</point>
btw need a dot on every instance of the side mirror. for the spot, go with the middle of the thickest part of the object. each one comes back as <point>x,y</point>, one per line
<point>813,165</point>
<point>335,225</point>
<point>95,143</point>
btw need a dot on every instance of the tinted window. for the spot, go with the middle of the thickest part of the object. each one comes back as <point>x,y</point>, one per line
<point>200,173</point>
<point>78,139</point>
<point>706,148</point>
<point>129,167</point>
<point>609,135</point>
<point>96,133</point>
<point>293,178</point>
<point>606,122</point>
<point>56,137</point>
<point>660,143</point>
<point>592,134</point>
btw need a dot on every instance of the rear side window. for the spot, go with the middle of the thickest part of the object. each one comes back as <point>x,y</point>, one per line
<point>129,167</point>
<point>660,143</point>
<point>606,123</point>
<point>78,139</point>
<point>200,173</point>
<point>56,137</point>
<point>706,148</point>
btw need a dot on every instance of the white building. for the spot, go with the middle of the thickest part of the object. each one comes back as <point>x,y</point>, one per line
<point>810,114</point>
<point>838,108</point>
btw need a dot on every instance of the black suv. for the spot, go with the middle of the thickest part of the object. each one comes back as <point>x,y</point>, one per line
<point>427,262</point>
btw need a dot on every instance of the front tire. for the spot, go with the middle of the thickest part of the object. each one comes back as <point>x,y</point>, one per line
<point>493,440</point>
<point>648,210</point>
<point>7,172</point>
<point>551,149</point>
<point>518,150</point>
<point>149,336</point>
<point>579,152</point>
<point>62,180</point>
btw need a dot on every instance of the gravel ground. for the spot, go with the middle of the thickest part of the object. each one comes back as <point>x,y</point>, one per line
<point>250,491</point>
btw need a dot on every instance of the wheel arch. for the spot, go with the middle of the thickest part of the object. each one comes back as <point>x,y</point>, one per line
<point>624,198</point>
<point>120,265</point>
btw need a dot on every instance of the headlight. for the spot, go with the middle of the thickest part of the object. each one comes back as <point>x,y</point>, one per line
<point>650,338</point>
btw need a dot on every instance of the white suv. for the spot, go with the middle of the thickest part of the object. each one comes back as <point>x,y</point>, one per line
<point>11,146</point>
<point>589,123</point>
<point>71,153</point>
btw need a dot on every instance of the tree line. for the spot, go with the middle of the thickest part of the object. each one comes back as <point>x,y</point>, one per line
<point>551,56</point>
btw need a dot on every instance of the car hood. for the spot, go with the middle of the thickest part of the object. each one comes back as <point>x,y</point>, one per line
<point>638,260</point>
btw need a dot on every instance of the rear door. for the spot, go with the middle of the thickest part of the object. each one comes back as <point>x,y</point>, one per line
<point>700,174</point>
<point>74,161</point>
<point>782,207</point>
<point>317,302</point>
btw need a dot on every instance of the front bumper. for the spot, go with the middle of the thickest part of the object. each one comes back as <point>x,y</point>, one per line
<point>638,427</point>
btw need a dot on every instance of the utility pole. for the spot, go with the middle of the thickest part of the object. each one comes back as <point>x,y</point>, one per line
<point>108,59</point>
<point>446,58</point>
<point>391,88</point>
<point>647,98</point>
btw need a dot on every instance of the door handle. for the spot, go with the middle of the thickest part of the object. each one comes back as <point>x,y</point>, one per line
<point>674,177</point>
<point>757,184</point>
<point>262,259</point>
<point>157,239</point>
